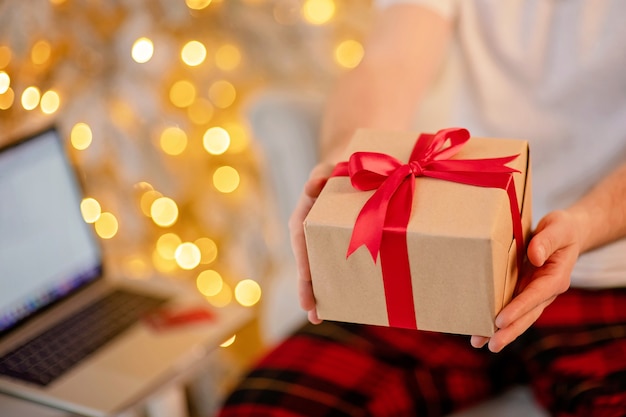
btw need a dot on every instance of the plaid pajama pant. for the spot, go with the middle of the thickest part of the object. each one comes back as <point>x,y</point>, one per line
<point>574,359</point>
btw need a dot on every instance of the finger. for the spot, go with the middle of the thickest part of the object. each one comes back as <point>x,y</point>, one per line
<point>506,335</point>
<point>313,318</point>
<point>479,341</point>
<point>552,234</point>
<point>306,296</point>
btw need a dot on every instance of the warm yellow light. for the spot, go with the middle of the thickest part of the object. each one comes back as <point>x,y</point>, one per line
<point>5,56</point>
<point>40,53</point>
<point>222,298</point>
<point>135,267</point>
<point>50,102</point>
<point>163,265</point>
<point>247,292</point>
<point>57,2</point>
<point>5,82</point>
<point>187,255</point>
<point>318,12</point>
<point>182,93</point>
<point>167,244</point>
<point>193,53</point>
<point>349,53</point>
<point>222,94</point>
<point>209,283</point>
<point>147,199</point>
<point>81,136</point>
<point>164,211</point>
<point>208,249</point>
<point>216,140</point>
<point>229,341</point>
<point>197,4</point>
<point>201,111</point>
<point>91,210</point>
<point>142,50</point>
<point>227,57</point>
<point>226,179</point>
<point>30,98</point>
<point>106,225</point>
<point>6,99</point>
<point>239,139</point>
<point>173,140</point>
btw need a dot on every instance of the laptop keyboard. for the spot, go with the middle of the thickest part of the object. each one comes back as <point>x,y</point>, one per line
<point>49,355</point>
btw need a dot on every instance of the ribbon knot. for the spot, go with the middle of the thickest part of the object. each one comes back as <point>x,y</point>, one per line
<point>416,168</point>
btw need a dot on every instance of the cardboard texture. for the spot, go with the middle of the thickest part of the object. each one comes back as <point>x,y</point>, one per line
<point>459,237</point>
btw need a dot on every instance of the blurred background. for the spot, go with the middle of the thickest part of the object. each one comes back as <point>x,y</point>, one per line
<point>192,124</point>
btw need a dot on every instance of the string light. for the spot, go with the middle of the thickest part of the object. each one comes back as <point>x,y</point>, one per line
<point>81,136</point>
<point>164,211</point>
<point>90,209</point>
<point>247,292</point>
<point>197,4</point>
<point>216,140</point>
<point>222,298</point>
<point>226,179</point>
<point>173,140</point>
<point>5,56</point>
<point>50,102</point>
<point>182,93</point>
<point>209,282</point>
<point>227,57</point>
<point>40,53</point>
<point>200,111</point>
<point>167,244</point>
<point>208,250</point>
<point>187,255</point>
<point>349,53</point>
<point>222,94</point>
<point>229,341</point>
<point>6,99</point>
<point>106,226</point>
<point>193,53</point>
<point>142,50</point>
<point>318,12</point>
<point>5,82</point>
<point>146,200</point>
<point>30,98</point>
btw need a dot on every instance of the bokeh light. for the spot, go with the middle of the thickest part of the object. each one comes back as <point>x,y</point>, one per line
<point>222,94</point>
<point>50,102</point>
<point>5,56</point>
<point>187,255</point>
<point>228,342</point>
<point>142,50</point>
<point>226,179</point>
<point>209,282</point>
<point>90,209</point>
<point>239,138</point>
<point>164,211</point>
<point>193,53</point>
<point>227,57</point>
<point>222,298</point>
<point>106,225</point>
<point>318,12</point>
<point>81,136</point>
<point>167,244</point>
<point>216,140</point>
<point>30,98</point>
<point>163,265</point>
<point>7,99</point>
<point>5,82</point>
<point>208,250</point>
<point>173,140</point>
<point>197,4</point>
<point>40,53</point>
<point>147,198</point>
<point>182,93</point>
<point>247,292</point>
<point>349,53</point>
<point>200,111</point>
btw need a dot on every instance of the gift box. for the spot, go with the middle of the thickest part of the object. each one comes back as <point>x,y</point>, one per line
<point>421,231</point>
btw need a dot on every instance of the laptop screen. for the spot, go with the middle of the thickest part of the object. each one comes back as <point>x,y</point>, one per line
<point>47,250</point>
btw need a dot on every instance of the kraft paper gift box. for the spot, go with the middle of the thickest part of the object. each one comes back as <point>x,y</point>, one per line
<point>446,258</point>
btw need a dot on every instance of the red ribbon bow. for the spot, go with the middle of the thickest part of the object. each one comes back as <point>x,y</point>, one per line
<point>382,222</point>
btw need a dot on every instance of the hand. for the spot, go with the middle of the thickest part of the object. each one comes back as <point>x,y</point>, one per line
<point>552,253</point>
<point>312,188</point>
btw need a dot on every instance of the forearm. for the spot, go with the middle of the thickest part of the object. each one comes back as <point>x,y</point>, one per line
<point>401,58</point>
<point>601,213</point>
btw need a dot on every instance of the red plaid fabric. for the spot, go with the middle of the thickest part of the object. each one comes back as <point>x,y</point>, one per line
<point>574,358</point>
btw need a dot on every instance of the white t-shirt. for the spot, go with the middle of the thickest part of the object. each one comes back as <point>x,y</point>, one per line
<point>549,71</point>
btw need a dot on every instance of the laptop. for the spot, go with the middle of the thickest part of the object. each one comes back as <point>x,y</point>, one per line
<point>72,337</point>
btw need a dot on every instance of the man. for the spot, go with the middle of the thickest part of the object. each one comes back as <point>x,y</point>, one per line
<point>547,71</point>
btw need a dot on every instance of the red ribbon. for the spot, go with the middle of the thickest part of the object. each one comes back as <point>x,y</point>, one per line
<point>382,222</point>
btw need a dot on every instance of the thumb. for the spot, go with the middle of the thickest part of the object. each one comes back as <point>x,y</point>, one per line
<point>552,234</point>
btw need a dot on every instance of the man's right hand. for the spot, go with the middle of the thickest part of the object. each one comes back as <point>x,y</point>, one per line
<point>312,188</point>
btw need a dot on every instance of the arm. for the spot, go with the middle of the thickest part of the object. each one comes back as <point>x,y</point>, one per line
<point>596,219</point>
<point>402,56</point>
